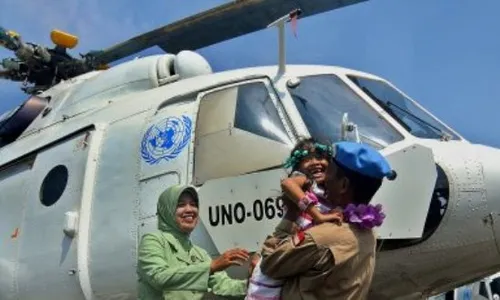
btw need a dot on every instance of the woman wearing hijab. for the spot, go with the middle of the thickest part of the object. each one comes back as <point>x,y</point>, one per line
<point>171,267</point>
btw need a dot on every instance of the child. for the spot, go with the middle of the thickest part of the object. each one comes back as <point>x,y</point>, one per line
<point>303,189</point>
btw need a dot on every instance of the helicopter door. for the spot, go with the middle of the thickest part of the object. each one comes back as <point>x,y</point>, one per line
<point>241,140</point>
<point>48,251</point>
<point>406,199</point>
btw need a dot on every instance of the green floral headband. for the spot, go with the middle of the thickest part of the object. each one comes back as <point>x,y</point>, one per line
<point>298,155</point>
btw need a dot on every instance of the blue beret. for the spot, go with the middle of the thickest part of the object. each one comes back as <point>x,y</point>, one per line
<point>362,159</point>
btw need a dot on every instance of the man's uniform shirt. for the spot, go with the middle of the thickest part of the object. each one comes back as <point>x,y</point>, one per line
<point>328,261</point>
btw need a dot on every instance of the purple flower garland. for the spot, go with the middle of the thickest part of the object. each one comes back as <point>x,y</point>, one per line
<point>365,216</point>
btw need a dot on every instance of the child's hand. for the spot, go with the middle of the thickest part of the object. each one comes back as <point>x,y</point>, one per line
<point>333,216</point>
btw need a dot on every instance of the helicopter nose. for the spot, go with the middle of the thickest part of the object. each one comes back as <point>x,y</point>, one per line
<point>490,158</point>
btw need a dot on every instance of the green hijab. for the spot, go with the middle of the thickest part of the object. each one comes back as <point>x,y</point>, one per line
<point>167,205</point>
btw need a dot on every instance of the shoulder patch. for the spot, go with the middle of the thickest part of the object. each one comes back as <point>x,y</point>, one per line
<point>298,238</point>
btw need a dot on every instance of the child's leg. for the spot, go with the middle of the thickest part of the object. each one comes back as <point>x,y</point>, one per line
<point>261,286</point>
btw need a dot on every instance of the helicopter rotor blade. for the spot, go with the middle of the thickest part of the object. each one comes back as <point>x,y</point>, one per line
<point>216,25</point>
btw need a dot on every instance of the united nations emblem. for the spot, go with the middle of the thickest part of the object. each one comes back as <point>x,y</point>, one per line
<point>165,139</point>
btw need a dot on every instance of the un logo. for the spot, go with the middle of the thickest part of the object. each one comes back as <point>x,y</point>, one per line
<point>166,139</point>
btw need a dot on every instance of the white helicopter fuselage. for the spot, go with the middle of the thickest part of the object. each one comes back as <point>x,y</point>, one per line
<point>79,187</point>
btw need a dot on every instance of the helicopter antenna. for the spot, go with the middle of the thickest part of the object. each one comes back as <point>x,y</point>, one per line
<point>280,23</point>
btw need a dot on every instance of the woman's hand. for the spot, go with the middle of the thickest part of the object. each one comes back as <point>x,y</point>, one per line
<point>232,257</point>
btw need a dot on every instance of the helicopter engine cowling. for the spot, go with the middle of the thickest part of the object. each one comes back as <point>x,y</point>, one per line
<point>134,76</point>
<point>181,66</point>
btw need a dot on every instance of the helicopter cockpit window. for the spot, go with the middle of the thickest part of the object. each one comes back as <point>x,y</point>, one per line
<point>405,111</point>
<point>15,122</point>
<point>238,131</point>
<point>495,286</point>
<point>4,117</point>
<point>322,100</point>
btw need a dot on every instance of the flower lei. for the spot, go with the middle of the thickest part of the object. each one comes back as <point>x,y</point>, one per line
<point>365,216</point>
<point>298,155</point>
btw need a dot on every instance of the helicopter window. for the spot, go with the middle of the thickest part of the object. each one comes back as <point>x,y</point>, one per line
<point>482,290</point>
<point>4,117</point>
<point>256,113</point>
<point>234,124</point>
<point>322,101</point>
<point>495,286</point>
<point>15,122</point>
<point>449,295</point>
<point>53,185</point>
<point>403,110</point>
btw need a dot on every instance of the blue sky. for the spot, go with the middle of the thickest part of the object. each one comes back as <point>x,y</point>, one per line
<point>444,54</point>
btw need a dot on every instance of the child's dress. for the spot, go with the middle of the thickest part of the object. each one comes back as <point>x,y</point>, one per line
<point>262,287</point>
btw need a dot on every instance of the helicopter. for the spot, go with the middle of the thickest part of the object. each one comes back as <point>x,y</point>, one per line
<point>85,157</point>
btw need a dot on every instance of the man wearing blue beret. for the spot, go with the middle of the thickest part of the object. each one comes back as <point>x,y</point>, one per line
<point>331,261</point>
